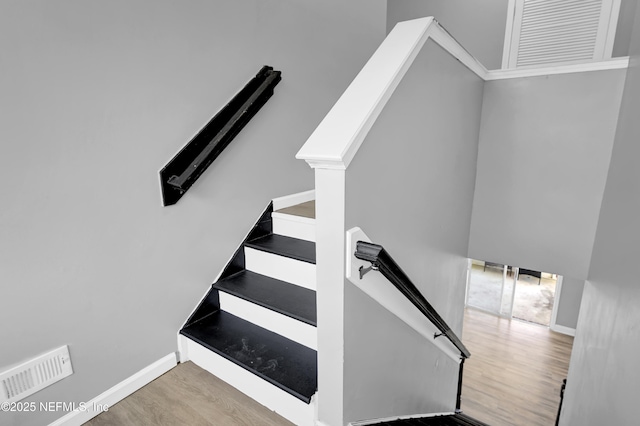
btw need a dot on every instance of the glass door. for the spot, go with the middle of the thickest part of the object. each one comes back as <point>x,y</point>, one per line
<point>511,292</point>
<point>535,296</point>
<point>490,287</point>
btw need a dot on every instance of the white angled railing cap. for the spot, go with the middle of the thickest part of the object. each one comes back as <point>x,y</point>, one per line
<point>337,138</point>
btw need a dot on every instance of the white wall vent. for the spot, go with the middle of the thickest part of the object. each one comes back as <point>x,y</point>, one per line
<point>550,32</point>
<point>29,377</point>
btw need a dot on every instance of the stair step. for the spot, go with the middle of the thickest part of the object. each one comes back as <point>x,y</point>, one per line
<point>298,331</point>
<point>287,364</point>
<point>274,398</point>
<point>293,248</point>
<point>288,299</point>
<point>306,209</point>
<point>458,419</point>
<point>288,225</point>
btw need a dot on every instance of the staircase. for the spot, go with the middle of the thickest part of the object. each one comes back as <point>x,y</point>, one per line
<point>256,327</point>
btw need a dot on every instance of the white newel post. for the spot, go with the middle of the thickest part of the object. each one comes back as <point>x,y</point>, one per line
<point>330,259</point>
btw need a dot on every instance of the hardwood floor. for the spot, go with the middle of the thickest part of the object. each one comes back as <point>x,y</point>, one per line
<point>188,395</point>
<point>512,378</point>
<point>515,371</point>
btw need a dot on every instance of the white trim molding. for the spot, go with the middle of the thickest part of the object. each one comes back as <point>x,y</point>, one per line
<point>611,64</point>
<point>293,199</point>
<point>556,302</point>
<point>553,325</point>
<point>118,392</point>
<point>564,330</point>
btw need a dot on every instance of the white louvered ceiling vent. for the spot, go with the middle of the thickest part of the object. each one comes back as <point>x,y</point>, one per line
<point>28,378</point>
<point>549,32</point>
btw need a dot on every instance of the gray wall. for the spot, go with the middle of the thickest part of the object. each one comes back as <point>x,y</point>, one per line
<point>545,145</point>
<point>478,25</point>
<point>569,302</point>
<point>95,98</point>
<point>410,189</point>
<point>602,386</point>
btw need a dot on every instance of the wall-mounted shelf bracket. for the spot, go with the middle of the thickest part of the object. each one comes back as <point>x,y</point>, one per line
<point>188,165</point>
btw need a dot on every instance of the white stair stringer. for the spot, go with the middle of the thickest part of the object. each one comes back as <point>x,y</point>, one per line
<point>265,393</point>
<point>303,228</point>
<point>282,268</point>
<point>291,328</point>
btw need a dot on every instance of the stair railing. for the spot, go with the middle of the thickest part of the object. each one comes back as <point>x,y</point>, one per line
<point>382,262</point>
<point>182,171</point>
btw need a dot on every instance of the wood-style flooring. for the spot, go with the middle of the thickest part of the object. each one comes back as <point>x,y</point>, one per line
<point>188,395</point>
<point>512,378</point>
<point>515,371</point>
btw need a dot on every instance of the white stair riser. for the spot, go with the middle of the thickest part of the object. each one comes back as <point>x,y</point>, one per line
<point>251,385</point>
<point>302,228</point>
<point>293,199</point>
<point>283,325</point>
<point>281,268</point>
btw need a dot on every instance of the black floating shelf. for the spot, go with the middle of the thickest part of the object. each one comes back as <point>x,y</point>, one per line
<point>187,166</point>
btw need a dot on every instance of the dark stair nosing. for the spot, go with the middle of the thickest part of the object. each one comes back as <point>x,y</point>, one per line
<point>279,296</point>
<point>286,364</point>
<point>470,421</point>
<point>457,419</point>
<point>293,248</point>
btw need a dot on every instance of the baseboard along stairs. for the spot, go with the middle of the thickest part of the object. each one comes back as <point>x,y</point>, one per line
<point>256,327</point>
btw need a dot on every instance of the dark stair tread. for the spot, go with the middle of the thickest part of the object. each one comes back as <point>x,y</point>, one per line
<point>285,363</point>
<point>280,296</point>
<point>440,420</point>
<point>293,248</point>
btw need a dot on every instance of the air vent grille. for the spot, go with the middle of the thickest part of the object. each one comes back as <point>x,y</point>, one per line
<point>28,378</point>
<point>558,30</point>
<point>545,32</point>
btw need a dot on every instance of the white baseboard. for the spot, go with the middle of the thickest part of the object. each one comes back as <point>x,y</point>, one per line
<point>118,392</point>
<point>293,199</point>
<point>182,354</point>
<point>564,330</point>
<point>272,397</point>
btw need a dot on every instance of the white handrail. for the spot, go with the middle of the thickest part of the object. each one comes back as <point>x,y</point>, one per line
<point>336,140</point>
